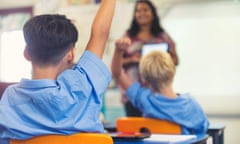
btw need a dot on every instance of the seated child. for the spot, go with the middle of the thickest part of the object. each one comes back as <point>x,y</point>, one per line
<point>60,98</point>
<point>157,98</point>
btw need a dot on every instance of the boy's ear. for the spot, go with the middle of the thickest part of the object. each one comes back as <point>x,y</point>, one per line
<point>71,55</point>
<point>26,54</point>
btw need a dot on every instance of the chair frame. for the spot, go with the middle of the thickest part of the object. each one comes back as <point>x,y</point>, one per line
<point>139,124</point>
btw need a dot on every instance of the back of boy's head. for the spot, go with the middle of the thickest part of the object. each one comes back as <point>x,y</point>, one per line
<point>157,69</point>
<point>48,38</point>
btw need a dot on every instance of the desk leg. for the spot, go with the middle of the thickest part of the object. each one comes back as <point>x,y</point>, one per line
<point>218,137</point>
<point>221,138</point>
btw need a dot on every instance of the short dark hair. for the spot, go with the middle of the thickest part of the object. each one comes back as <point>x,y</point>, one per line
<point>49,37</point>
<point>156,28</point>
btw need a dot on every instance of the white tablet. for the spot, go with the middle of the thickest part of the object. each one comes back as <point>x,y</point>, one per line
<point>151,47</point>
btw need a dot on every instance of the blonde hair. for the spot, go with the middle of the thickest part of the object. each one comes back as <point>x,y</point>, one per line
<point>157,69</point>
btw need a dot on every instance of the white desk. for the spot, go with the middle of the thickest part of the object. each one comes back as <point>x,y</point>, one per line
<point>162,139</point>
<point>171,139</point>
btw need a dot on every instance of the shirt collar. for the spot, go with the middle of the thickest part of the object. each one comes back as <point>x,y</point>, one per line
<point>41,83</point>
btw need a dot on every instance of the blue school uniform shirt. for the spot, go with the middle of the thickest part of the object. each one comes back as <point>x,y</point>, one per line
<point>69,104</point>
<point>183,110</point>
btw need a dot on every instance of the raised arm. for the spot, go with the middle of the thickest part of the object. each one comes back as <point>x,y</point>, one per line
<point>117,61</point>
<point>101,27</point>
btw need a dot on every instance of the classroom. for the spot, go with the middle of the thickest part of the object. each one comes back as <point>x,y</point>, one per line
<point>205,33</point>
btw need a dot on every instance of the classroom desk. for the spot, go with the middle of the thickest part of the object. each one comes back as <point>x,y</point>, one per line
<point>110,127</point>
<point>166,139</point>
<point>216,131</point>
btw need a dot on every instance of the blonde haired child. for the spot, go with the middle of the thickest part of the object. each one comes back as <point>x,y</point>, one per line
<point>157,98</point>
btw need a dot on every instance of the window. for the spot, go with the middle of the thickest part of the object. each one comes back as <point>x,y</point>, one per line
<point>13,66</point>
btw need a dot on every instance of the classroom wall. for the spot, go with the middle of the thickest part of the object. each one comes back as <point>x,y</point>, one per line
<point>83,16</point>
<point>207,37</point>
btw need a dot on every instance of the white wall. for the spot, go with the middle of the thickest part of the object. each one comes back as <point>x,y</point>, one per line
<point>83,16</point>
<point>207,37</point>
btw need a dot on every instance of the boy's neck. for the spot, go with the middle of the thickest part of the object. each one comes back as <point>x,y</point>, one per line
<point>48,72</point>
<point>44,73</point>
<point>52,71</point>
<point>168,92</point>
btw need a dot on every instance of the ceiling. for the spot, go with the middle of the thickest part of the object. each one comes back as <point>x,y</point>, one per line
<point>163,5</point>
<point>11,3</point>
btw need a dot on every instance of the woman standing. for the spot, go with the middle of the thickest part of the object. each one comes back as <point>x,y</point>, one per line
<point>145,28</point>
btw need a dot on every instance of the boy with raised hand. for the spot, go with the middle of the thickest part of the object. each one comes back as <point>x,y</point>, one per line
<point>60,98</point>
<point>157,98</point>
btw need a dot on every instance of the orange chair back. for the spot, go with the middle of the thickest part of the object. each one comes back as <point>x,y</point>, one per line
<point>155,126</point>
<point>81,138</point>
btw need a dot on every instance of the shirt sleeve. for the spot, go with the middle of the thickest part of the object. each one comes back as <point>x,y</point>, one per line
<point>4,141</point>
<point>131,92</point>
<point>138,95</point>
<point>98,74</point>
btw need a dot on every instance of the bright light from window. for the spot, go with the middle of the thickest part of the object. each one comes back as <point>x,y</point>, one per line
<point>13,64</point>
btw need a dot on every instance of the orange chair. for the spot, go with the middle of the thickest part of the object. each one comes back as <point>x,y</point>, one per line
<point>80,138</point>
<point>138,124</point>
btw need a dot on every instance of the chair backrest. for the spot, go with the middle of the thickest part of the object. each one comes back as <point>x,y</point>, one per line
<point>3,86</point>
<point>156,126</point>
<point>80,138</point>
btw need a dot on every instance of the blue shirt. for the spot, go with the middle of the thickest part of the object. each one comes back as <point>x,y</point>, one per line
<point>67,105</point>
<point>183,110</point>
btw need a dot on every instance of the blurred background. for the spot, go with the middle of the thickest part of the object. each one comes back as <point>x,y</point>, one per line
<point>206,33</point>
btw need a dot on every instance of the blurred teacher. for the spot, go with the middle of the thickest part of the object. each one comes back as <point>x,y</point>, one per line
<point>145,28</point>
